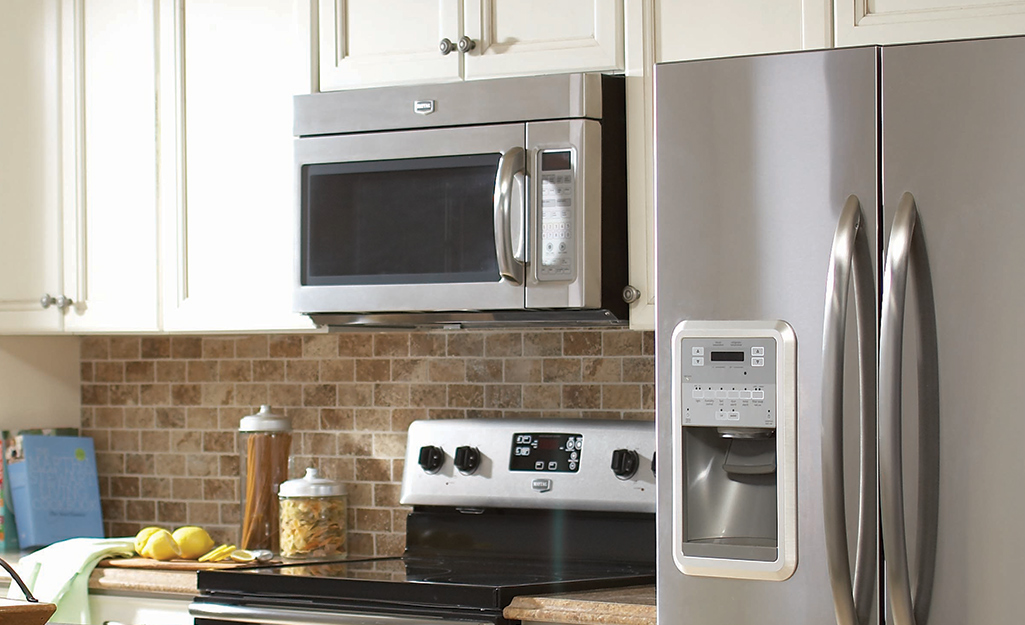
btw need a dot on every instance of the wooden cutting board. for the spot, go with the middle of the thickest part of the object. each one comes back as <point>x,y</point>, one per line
<point>174,565</point>
<point>25,613</point>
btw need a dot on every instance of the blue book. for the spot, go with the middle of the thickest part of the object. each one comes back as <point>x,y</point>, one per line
<point>55,490</point>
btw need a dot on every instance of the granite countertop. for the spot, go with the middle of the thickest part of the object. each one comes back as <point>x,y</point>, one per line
<point>111,579</point>
<point>632,605</point>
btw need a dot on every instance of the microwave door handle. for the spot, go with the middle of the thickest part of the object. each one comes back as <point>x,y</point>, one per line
<point>512,162</point>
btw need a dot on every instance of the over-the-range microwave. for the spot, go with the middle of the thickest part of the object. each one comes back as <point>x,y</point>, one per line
<point>479,203</point>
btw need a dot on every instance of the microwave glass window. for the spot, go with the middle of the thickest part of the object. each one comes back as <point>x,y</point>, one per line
<point>408,221</point>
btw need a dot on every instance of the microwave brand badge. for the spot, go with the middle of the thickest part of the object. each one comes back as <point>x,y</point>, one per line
<point>423,107</point>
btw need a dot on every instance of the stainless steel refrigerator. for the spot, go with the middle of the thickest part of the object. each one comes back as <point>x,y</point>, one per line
<point>840,246</point>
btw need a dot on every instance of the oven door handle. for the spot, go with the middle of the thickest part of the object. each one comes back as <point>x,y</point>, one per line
<point>295,616</point>
<point>512,163</point>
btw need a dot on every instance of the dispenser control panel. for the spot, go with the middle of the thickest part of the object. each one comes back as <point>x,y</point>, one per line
<point>728,382</point>
<point>557,219</point>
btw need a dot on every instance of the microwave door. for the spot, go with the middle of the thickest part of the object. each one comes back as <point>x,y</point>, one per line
<point>425,220</point>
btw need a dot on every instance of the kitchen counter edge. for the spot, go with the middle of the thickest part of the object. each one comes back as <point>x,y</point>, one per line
<point>632,605</point>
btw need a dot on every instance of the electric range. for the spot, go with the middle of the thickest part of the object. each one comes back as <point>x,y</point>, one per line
<point>500,508</point>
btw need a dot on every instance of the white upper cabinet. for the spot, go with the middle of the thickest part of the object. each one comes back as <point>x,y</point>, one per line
<point>368,43</point>
<point>30,165</point>
<point>860,22</point>
<point>110,164</point>
<point>697,29</point>
<point>227,201</point>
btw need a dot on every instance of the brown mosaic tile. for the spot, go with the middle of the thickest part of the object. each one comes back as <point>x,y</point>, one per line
<point>171,512</point>
<point>355,395</point>
<point>584,343</point>
<point>141,464</point>
<point>372,419</point>
<point>373,370</point>
<point>171,371</point>
<point>503,396</point>
<point>285,394</point>
<point>155,487</point>
<point>373,470</point>
<point>648,343</point>
<point>170,417</point>
<point>503,344</point>
<point>216,347</point>
<point>640,369</point>
<point>542,396</point>
<point>581,396</point>
<point>337,370</point>
<point>86,372</point>
<point>156,347</point>
<point>125,348</point>
<point>427,344</point>
<point>268,371</point>
<point>154,440</point>
<point>235,371</point>
<point>601,370</point>
<point>95,348</point>
<point>466,395</point>
<point>319,395</point>
<point>465,344</point>
<point>542,344</point>
<point>186,394</point>
<point>95,395</point>
<point>252,394</point>
<point>286,346</point>
<point>109,371</point>
<point>355,345</point>
<point>621,396</point>
<point>219,441</point>
<point>389,445</point>
<point>186,347</point>
<point>484,370</point>
<point>373,520</point>
<point>154,394</point>
<point>140,418</point>
<point>560,370</point>
<point>140,371</point>
<point>447,370</point>
<point>106,417</point>
<point>320,346</point>
<point>408,370</point>
<point>219,394</point>
<point>425,395</point>
<point>202,370</point>
<point>257,346</point>
<point>621,343</point>
<point>523,370</point>
<point>140,510</point>
<point>402,417</point>
<point>391,345</point>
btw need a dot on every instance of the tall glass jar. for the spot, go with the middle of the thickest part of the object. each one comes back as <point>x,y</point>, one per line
<point>265,442</point>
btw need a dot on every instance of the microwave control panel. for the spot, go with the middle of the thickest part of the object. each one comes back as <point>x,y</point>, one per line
<point>557,216</point>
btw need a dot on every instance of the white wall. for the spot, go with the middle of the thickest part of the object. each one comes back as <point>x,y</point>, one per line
<point>39,382</point>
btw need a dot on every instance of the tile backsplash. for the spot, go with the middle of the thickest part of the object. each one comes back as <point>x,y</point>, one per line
<point>164,411</point>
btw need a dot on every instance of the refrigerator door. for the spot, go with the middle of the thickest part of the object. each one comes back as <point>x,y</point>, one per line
<point>755,160</point>
<point>954,138</point>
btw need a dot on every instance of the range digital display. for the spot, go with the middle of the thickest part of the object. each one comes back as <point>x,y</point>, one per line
<point>547,452</point>
<point>727,356</point>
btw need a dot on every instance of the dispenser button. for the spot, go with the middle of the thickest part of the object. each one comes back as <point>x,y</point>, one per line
<point>733,415</point>
<point>697,351</point>
<point>757,351</point>
<point>697,393</point>
<point>720,394</point>
<point>734,394</point>
<point>697,361</point>
<point>757,362</point>
<point>745,394</point>
<point>720,415</point>
<point>758,395</point>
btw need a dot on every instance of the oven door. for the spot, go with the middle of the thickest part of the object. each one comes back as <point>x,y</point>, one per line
<point>423,220</point>
<point>229,614</point>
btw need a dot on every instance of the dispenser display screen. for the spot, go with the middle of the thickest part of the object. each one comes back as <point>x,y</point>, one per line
<point>727,356</point>
<point>547,452</point>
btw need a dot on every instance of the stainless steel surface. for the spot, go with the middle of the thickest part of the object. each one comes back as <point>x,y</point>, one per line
<point>906,249</point>
<point>373,298</point>
<point>579,318</point>
<point>446,46</point>
<point>511,165</point>
<point>954,136</point>
<point>466,44</point>
<point>631,294</point>
<point>473,102</point>
<point>281,616</point>
<point>594,486</point>
<point>851,254</point>
<point>755,158</point>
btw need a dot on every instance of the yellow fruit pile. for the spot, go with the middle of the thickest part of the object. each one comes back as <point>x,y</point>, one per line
<point>189,543</point>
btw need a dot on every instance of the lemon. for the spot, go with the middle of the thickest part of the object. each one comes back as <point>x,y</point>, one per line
<point>218,554</point>
<point>193,541</point>
<point>160,545</point>
<point>242,555</point>
<point>142,536</point>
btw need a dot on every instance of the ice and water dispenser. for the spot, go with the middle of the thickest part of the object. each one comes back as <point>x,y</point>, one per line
<point>734,411</point>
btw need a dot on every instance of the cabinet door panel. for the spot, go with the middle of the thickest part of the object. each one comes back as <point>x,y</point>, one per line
<point>860,22</point>
<point>366,43</point>
<point>228,219</point>
<point>110,261</point>
<point>693,29</point>
<point>522,37</point>
<point>29,164</point>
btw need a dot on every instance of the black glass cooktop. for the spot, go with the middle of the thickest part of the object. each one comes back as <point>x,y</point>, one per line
<point>480,583</point>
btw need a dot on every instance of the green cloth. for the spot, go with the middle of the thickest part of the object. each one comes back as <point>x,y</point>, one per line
<point>59,574</point>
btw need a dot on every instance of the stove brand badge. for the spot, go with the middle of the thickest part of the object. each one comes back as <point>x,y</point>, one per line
<point>423,107</point>
<point>541,485</point>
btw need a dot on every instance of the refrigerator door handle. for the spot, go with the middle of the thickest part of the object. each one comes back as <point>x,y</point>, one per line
<point>850,254</point>
<point>906,251</point>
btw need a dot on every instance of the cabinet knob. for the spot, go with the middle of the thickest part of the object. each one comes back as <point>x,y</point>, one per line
<point>466,44</point>
<point>631,294</point>
<point>61,301</point>
<point>446,46</point>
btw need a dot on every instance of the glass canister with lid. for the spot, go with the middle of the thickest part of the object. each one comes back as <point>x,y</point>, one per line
<point>313,517</point>
<point>265,443</point>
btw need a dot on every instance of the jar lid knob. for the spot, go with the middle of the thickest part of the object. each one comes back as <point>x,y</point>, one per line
<point>265,421</point>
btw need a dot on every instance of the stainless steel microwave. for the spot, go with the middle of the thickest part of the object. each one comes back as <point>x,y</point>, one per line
<point>479,203</point>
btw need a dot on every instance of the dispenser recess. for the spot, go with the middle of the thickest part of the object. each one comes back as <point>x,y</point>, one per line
<point>734,413</point>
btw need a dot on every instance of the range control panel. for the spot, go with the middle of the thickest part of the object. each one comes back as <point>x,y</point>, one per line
<point>557,216</point>
<point>728,381</point>
<point>574,464</point>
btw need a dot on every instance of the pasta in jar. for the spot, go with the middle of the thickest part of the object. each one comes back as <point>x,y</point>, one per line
<point>312,517</point>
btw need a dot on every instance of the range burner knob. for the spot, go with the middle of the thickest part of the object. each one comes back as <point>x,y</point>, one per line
<point>467,459</point>
<point>624,463</point>
<point>431,458</point>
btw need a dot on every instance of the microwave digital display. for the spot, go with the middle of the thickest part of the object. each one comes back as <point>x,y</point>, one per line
<point>556,161</point>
